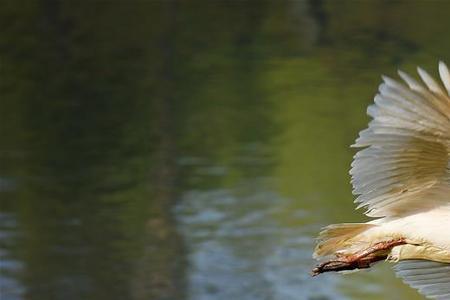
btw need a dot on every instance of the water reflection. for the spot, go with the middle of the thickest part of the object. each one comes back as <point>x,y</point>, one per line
<point>171,150</point>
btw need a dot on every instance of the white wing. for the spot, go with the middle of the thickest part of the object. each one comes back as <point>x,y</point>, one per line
<point>432,279</point>
<point>405,164</point>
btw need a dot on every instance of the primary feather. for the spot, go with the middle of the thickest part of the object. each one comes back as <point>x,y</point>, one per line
<point>405,165</point>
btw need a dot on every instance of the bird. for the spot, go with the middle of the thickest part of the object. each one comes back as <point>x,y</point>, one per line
<point>401,177</point>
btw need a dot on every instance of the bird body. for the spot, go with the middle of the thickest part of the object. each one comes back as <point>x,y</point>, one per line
<point>427,235</point>
<point>402,177</point>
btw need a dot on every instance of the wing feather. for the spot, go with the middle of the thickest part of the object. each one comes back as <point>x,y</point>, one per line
<point>405,159</point>
<point>445,76</point>
<point>432,279</point>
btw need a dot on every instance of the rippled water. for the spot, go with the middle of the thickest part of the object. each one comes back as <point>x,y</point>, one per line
<point>191,150</point>
<point>248,241</point>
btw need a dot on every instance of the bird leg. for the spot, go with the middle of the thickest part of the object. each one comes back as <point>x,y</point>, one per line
<point>360,260</point>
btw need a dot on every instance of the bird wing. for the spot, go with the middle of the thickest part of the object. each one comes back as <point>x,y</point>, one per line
<point>432,279</point>
<point>404,166</point>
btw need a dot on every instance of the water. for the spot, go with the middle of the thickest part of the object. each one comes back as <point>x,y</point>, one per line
<point>191,150</point>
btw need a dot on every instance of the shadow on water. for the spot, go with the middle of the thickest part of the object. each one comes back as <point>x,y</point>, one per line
<point>89,152</point>
<point>175,150</point>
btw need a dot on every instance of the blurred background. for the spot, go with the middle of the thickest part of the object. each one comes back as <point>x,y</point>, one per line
<point>191,149</point>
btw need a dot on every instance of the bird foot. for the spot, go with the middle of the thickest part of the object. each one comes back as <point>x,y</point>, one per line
<point>360,260</point>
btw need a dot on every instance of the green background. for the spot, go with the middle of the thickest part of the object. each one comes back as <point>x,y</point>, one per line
<point>191,149</point>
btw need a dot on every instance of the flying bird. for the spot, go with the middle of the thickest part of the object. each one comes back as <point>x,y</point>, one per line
<point>401,176</point>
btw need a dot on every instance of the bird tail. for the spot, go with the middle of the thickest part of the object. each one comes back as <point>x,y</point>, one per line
<point>337,237</point>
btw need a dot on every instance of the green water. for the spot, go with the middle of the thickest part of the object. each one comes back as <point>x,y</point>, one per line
<point>191,150</point>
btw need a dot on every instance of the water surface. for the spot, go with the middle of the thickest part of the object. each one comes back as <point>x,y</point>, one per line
<point>191,150</point>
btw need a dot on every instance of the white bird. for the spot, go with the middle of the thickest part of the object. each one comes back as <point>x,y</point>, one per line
<point>402,178</point>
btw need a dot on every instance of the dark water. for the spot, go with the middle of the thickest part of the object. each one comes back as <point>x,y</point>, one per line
<point>191,150</point>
